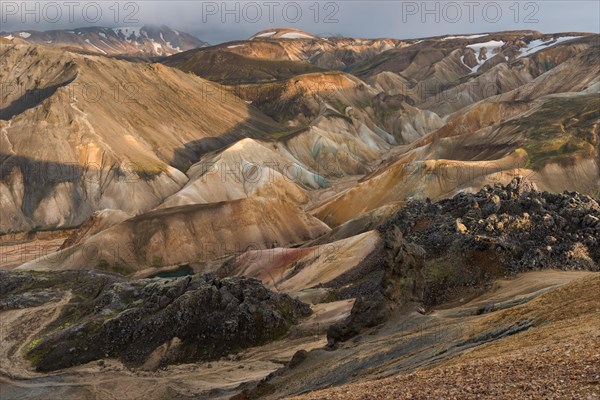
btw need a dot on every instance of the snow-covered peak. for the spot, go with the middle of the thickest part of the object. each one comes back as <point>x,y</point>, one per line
<point>147,40</point>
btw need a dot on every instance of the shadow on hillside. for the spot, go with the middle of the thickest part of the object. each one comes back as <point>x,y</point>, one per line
<point>258,126</point>
<point>38,180</point>
<point>31,98</point>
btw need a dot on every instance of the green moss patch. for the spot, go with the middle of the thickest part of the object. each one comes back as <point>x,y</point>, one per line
<point>560,130</point>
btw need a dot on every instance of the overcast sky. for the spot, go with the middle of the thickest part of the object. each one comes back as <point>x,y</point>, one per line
<point>217,21</point>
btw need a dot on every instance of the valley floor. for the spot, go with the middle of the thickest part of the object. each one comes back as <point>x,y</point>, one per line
<point>553,355</point>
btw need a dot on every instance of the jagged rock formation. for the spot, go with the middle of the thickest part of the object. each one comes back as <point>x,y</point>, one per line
<point>150,322</point>
<point>402,283</point>
<point>474,238</point>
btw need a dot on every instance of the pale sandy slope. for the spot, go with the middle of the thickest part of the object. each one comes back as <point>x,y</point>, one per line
<point>197,233</point>
<point>83,133</point>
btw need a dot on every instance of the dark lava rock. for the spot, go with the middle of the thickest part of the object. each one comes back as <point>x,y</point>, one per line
<point>401,283</point>
<point>367,312</point>
<point>475,238</point>
<point>192,318</point>
<point>297,359</point>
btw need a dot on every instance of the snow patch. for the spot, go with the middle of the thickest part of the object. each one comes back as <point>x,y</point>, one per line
<point>538,45</point>
<point>96,47</point>
<point>9,37</point>
<point>266,34</point>
<point>235,45</point>
<point>473,70</point>
<point>463,37</point>
<point>491,47</point>
<point>102,34</point>
<point>157,46</point>
<point>295,35</point>
<point>172,46</point>
<point>108,45</point>
<point>178,49</point>
<point>24,35</point>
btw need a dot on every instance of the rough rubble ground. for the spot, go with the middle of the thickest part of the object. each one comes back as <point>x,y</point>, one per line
<point>562,370</point>
<point>470,242</point>
<point>558,358</point>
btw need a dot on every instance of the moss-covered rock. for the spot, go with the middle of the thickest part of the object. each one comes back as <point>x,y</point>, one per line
<point>187,319</point>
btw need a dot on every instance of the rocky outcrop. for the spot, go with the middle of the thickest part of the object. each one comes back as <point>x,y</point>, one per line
<point>434,253</point>
<point>402,283</point>
<point>474,238</point>
<point>470,58</point>
<point>152,322</point>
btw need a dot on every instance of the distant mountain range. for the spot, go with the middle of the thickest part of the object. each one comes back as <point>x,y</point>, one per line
<point>147,40</point>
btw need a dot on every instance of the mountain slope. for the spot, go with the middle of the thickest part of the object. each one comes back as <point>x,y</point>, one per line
<point>424,198</point>
<point>82,133</point>
<point>275,56</point>
<point>551,139</point>
<point>195,233</point>
<point>226,67</point>
<point>555,144</point>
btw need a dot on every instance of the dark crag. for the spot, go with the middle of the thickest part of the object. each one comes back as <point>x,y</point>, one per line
<point>474,238</point>
<point>193,318</point>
